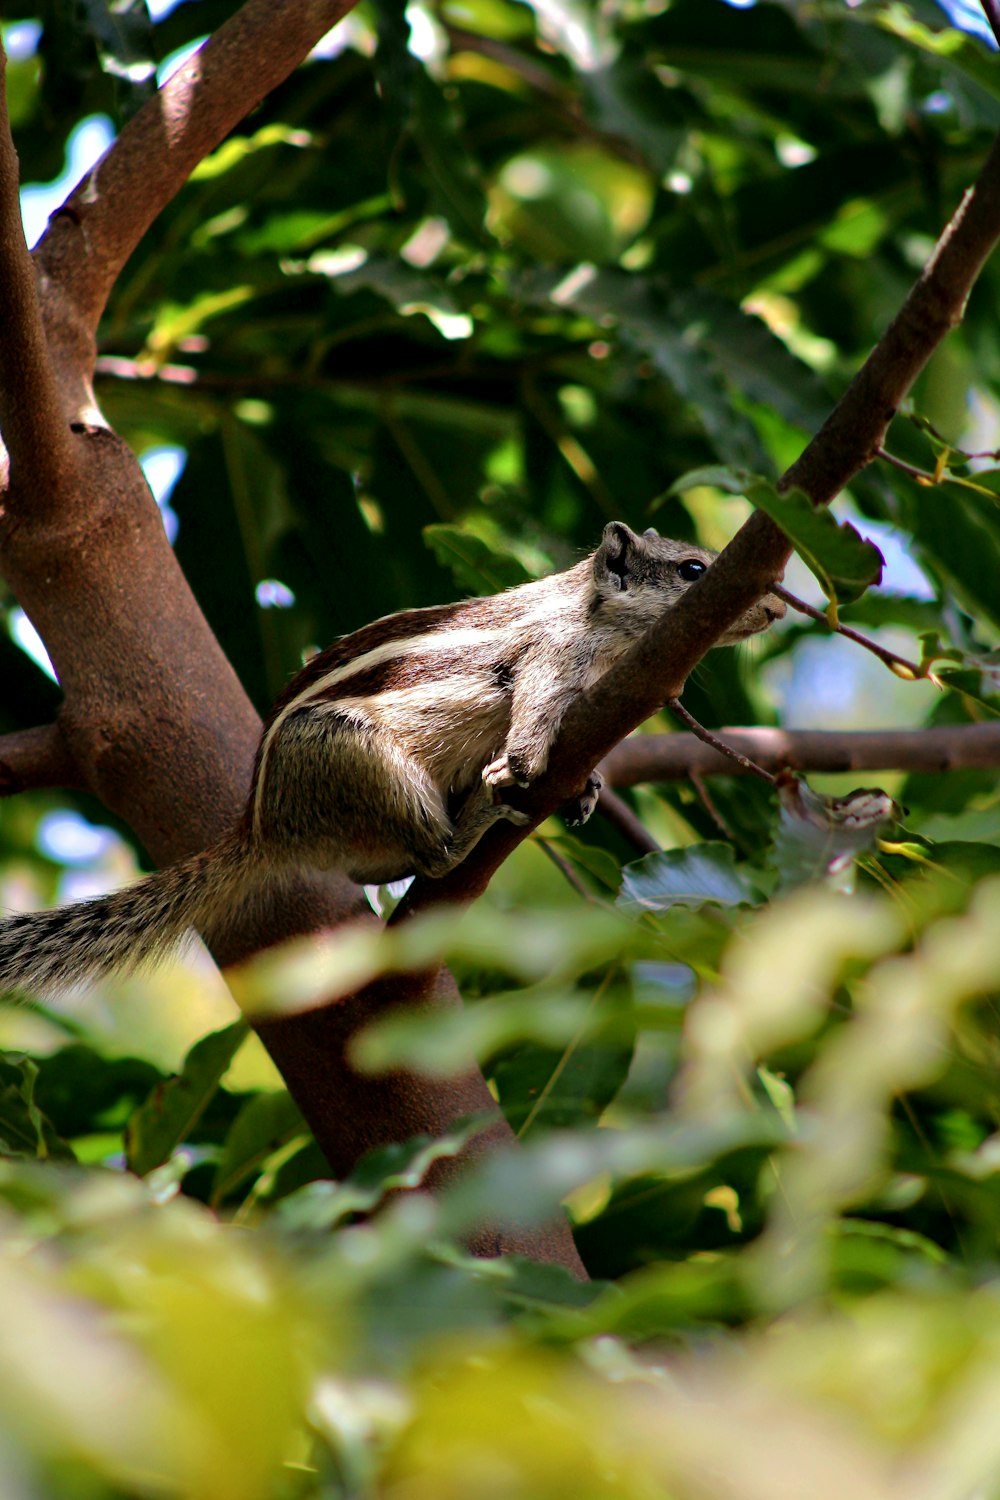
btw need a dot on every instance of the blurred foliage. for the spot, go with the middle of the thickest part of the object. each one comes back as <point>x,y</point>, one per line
<point>478,278</point>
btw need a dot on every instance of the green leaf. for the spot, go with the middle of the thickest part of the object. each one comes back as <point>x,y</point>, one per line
<point>958,535</point>
<point>688,877</point>
<point>977,676</point>
<point>174,1108</point>
<point>754,361</point>
<point>543,1089</point>
<point>418,109</point>
<point>281,233</point>
<point>627,100</point>
<point>959,53</point>
<point>544,1291</point>
<point>24,1130</point>
<point>321,1206</point>
<point>571,202</point>
<point>436,1044</point>
<point>234,151</point>
<point>22,89</point>
<point>664,1299</point>
<point>665,326</point>
<point>267,1124</point>
<point>729,478</point>
<point>476,565</point>
<point>762,50</point>
<point>84,1092</point>
<point>939,872</point>
<point>600,864</point>
<point>406,290</point>
<point>525,1187</point>
<point>843,561</point>
<point>868,1256</point>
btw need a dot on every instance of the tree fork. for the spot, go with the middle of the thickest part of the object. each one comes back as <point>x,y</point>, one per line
<point>154,720</point>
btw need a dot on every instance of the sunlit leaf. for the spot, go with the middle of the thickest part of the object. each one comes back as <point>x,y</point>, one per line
<point>843,561</point>
<point>321,1206</point>
<point>475,564</point>
<point>174,1108</point>
<point>266,1124</point>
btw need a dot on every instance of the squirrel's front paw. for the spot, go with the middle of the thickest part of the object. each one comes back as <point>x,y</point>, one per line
<point>504,772</point>
<point>578,809</point>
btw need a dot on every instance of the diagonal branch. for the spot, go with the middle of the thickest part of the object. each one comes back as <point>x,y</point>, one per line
<point>854,431</point>
<point>32,421</point>
<point>621,816</point>
<point>104,218</point>
<point>657,667</point>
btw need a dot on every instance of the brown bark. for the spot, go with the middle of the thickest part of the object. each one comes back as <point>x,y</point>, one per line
<point>154,720</point>
<point>36,758</point>
<point>621,816</point>
<point>668,757</point>
<point>658,665</point>
<point>104,218</point>
<point>32,758</point>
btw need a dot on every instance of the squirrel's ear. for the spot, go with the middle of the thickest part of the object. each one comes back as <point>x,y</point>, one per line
<point>615,558</point>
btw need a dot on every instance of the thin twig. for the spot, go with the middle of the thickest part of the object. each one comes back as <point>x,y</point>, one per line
<point>899,665</point>
<point>857,426</point>
<point>922,425</point>
<point>676,707</point>
<point>708,802</point>
<point>564,867</point>
<point>922,476</point>
<point>937,748</point>
<point>534,74</point>
<point>621,816</point>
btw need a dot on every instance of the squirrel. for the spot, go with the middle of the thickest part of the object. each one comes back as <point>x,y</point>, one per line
<point>386,755</point>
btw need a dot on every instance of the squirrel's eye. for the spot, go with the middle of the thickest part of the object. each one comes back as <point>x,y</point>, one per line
<point>690,569</point>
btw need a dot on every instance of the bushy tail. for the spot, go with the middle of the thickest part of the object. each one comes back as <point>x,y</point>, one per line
<point>52,950</point>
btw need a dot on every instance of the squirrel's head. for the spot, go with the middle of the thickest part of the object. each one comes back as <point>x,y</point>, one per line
<point>638,576</point>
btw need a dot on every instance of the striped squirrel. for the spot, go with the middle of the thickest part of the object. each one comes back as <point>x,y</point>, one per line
<point>386,754</point>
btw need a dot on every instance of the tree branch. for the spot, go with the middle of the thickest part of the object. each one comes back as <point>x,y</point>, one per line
<point>657,667</point>
<point>33,423</point>
<point>941,747</point>
<point>900,666</point>
<point>39,757</point>
<point>855,429</point>
<point>621,816</point>
<point>93,234</point>
<point>154,717</point>
<point>706,736</point>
